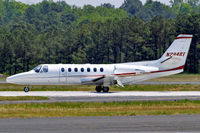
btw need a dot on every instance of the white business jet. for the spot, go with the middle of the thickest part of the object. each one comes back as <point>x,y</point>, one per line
<point>105,75</point>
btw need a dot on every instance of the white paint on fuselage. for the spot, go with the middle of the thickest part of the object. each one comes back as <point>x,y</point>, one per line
<point>55,76</point>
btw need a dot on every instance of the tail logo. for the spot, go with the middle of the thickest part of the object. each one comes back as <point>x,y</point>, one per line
<point>175,54</point>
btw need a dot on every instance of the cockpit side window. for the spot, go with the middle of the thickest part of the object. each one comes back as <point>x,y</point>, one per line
<point>45,69</point>
<point>37,69</point>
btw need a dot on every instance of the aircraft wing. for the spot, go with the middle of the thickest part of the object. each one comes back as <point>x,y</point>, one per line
<point>97,79</point>
<point>105,80</point>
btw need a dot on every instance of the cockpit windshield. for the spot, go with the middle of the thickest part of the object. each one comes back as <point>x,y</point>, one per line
<point>37,69</point>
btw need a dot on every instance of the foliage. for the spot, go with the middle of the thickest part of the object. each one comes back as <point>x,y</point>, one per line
<point>54,32</point>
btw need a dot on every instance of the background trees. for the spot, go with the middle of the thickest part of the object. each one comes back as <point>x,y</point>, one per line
<point>54,32</point>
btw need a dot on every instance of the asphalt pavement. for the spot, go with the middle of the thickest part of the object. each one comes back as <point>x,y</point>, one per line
<point>125,124</point>
<point>2,82</point>
<point>85,96</point>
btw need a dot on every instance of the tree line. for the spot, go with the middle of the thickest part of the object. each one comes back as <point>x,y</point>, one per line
<point>55,32</point>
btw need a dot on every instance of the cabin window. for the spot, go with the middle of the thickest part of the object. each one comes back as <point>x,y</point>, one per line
<point>62,69</point>
<point>88,69</point>
<point>75,69</point>
<point>37,69</point>
<point>101,69</point>
<point>45,69</point>
<point>95,69</point>
<point>69,69</point>
<point>82,69</point>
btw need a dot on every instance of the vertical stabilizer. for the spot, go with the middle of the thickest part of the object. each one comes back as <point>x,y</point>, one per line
<point>176,54</point>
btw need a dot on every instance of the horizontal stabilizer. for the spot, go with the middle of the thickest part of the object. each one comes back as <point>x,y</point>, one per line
<point>166,59</point>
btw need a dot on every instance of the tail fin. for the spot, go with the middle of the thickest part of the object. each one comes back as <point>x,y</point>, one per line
<point>176,54</point>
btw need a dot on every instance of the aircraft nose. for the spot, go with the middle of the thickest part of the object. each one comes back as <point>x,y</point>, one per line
<point>11,79</point>
<point>18,78</point>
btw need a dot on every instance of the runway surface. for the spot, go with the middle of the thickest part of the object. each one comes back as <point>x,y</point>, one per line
<point>129,124</point>
<point>95,94</point>
<point>85,96</point>
<point>2,82</point>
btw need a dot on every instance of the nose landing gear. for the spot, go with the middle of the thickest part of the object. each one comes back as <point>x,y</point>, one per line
<point>102,88</point>
<point>26,89</point>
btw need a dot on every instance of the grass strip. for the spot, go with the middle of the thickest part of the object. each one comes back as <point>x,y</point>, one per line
<point>179,77</point>
<point>22,98</point>
<point>30,110</point>
<point>187,87</point>
<point>2,78</point>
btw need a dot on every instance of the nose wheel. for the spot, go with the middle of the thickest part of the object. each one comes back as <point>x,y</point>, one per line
<point>102,88</point>
<point>26,89</point>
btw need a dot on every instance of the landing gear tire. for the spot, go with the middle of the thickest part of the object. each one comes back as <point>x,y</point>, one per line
<point>98,88</point>
<point>105,89</point>
<point>26,89</point>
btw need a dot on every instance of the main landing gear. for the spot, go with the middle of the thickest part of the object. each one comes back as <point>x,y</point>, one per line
<point>102,88</point>
<point>26,89</point>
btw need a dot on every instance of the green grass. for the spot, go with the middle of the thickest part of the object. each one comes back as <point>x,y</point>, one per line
<point>187,87</point>
<point>19,98</point>
<point>13,87</point>
<point>162,87</point>
<point>180,77</point>
<point>99,109</point>
<point>2,79</point>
